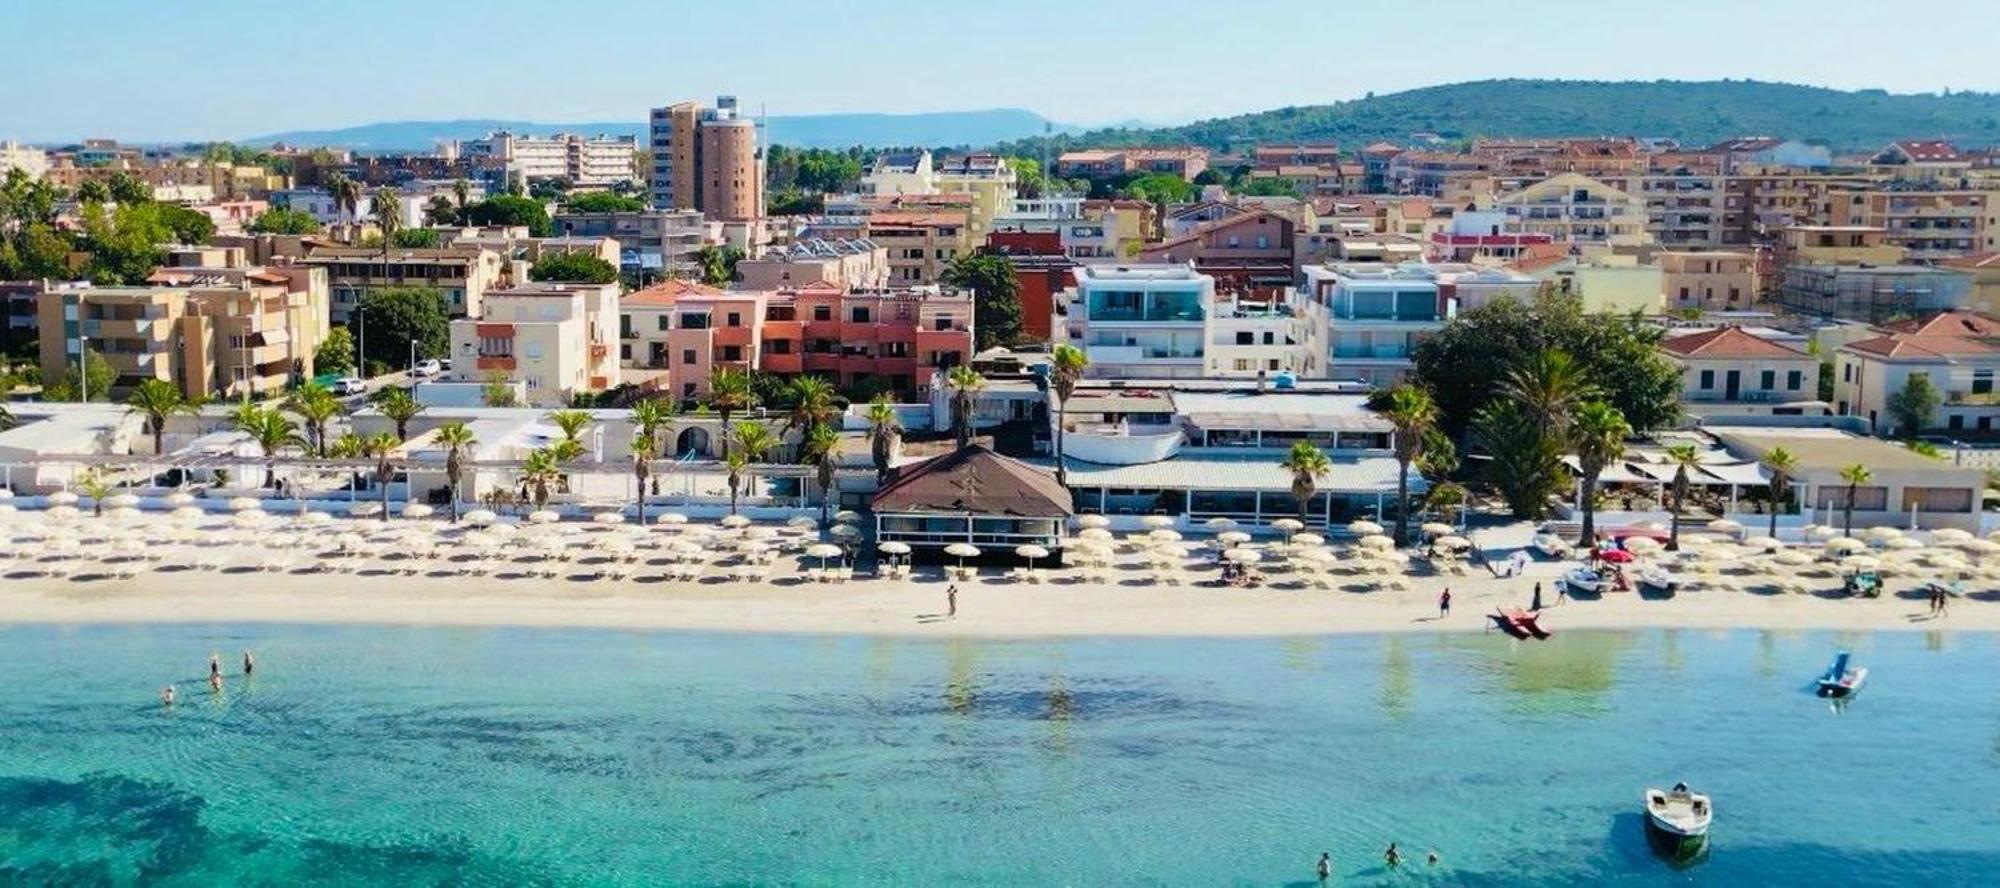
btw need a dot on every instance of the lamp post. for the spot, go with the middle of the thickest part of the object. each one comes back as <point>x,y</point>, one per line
<point>82,364</point>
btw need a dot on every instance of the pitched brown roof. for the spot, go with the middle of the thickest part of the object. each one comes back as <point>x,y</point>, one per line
<point>668,292</point>
<point>1728,342</point>
<point>1942,335</point>
<point>975,480</point>
<point>1948,323</point>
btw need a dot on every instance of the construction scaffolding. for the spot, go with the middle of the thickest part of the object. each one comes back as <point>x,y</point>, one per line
<point>1874,294</point>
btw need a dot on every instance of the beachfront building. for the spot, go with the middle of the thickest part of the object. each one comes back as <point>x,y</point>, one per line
<point>1957,351</point>
<point>974,496</point>
<point>1908,489</point>
<point>226,333</point>
<point>552,339</point>
<point>1731,372</point>
<point>1144,321</point>
<point>1197,450</point>
<point>583,161</point>
<point>1375,316</point>
<point>461,275</point>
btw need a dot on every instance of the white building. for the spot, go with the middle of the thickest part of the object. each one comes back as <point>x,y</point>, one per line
<point>15,156</point>
<point>579,160</point>
<point>1375,315</point>
<point>554,339</point>
<point>1146,321</point>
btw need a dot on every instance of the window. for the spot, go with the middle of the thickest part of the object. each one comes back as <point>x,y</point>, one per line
<point>860,314</point>
<point>732,353</point>
<point>1243,364</point>
<point>1794,379</point>
<point>778,346</point>
<point>687,356</point>
<point>1708,379</point>
<point>822,313</point>
<point>533,350</point>
<point>1847,373</point>
<point>1982,382</point>
<point>1245,337</point>
<point>1269,338</point>
<point>944,323</point>
<point>663,323</point>
<point>1768,380</point>
<point>735,319</point>
<point>1955,421</point>
<point>624,352</point>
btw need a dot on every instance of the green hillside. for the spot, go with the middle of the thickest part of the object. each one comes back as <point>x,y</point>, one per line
<point>1696,113</point>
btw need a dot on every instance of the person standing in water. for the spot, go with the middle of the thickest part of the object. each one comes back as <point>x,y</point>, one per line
<point>1392,856</point>
<point>1444,603</point>
<point>1325,866</point>
<point>167,695</point>
<point>951,602</point>
<point>215,681</point>
<point>249,664</point>
<point>214,666</point>
<point>1433,858</point>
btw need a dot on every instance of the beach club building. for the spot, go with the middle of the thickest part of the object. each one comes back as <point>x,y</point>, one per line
<point>975,496</point>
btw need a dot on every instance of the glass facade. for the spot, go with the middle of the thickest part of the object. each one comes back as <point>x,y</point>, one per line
<point>1138,305</point>
<point>1412,304</point>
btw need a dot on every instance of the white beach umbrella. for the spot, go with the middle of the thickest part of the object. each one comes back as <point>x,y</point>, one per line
<point>61,513</point>
<point>1319,557</point>
<point>1163,535</point>
<point>962,551</point>
<point>6,493</point>
<point>846,516</point>
<point>1288,525</point>
<point>364,509</point>
<point>894,547</point>
<point>1724,525</point>
<point>671,518</point>
<point>250,519</point>
<point>122,514</point>
<point>734,522</point>
<point>1437,529</point>
<point>479,517</point>
<point>1243,556</point>
<point>1882,532</point>
<point>239,503</point>
<point>1822,532</point>
<point>61,498</point>
<point>1232,537</point>
<point>1763,542</point>
<point>1171,551</point>
<point>844,532</point>
<point>1980,547</point>
<point>1950,535</point>
<point>823,551</point>
<point>1308,539</point>
<point>1904,544</point>
<point>1364,528</point>
<point>418,510</point>
<point>1644,546</point>
<point>186,515</point>
<point>543,516</point>
<point>1844,545</point>
<point>1376,541</point>
<point>1219,523</point>
<point>1031,553</point>
<point>608,518</point>
<point>1155,522</point>
<point>1792,558</point>
<point>1453,543</point>
<point>1090,521</point>
<point>802,522</point>
<point>1095,534</point>
<point>315,519</point>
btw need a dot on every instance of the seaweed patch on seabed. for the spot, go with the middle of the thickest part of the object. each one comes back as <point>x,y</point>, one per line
<point>142,831</point>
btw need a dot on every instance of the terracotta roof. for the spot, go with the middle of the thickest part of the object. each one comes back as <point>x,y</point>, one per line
<point>1939,336</point>
<point>1535,257</point>
<point>668,292</point>
<point>1948,323</point>
<point>1933,149</point>
<point>1746,144</point>
<point>1200,231</point>
<point>976,480</point>
<point>1729,342</point>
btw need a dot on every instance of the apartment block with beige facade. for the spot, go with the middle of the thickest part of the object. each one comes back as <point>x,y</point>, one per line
<point>1708,281</point>
<point>461,275</point>
<point>555,340</point>
<point>1580,211</point>
<point>707,159</point>
<point>1957,351</point>
<point>842,262</point>
<point>252,333</point>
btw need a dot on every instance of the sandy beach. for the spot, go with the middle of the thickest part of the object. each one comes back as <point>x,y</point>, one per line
<point>993,606</point>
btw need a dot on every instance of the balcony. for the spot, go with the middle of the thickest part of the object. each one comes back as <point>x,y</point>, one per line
<point>494,331</point>
<point>598,350</point>
<point>1972,399</point>
<point>1122,443</point>
<point>790,362</point>
<point>494,362</point>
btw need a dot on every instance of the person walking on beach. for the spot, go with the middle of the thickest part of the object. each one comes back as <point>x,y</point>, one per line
<point>249,664</point>
<point>1325,866</point>
<point>1536,604</point>
<point>1444,603</point>
<point>951,602</point>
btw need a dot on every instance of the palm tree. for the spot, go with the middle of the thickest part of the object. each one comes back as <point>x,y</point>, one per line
<point>346,194</point>
<point>1684,457</point>
<point>1783,466</point>
<point>730,390</point>
<point>388,212</point>
<point>157,400</point>
<point>566,450</point>
<point>1413,414</point>
<point>397,405</point>
<point>1550,385</point>
<point>753,440</point>
<point>315,405</point>
<point>1066,365</point>
<point>819,450</point>
<point>1598,433</point>
<point>964,382</point>
<point>537,472</point>
<point>813,402</point>
<point>571,423</point>
<point>1855,476</point>
<point>461,190</point>
<point>1307,464</point>
<point>456,438</point>
<point>653,418</point>
<point>95,487</point>
<point>381,446</point>
<point>883,431</point>
<point>643,445</point>
<point>273,432</point>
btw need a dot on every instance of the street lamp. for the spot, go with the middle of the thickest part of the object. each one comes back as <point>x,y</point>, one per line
<point>82,364</point>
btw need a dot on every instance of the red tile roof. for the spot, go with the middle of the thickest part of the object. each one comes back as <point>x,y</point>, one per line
<point>1943,335</point>
<point>668,292</point>
<point>1948,323</point>
<point>1930,150</point>
<point>1729,342</point>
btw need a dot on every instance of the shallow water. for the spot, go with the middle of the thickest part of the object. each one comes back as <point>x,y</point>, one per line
<point>504,756</point>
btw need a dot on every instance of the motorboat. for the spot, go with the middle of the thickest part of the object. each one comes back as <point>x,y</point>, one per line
<point>1677,822</point>
<point>1840,679</point>
<point>1551,545</point>
<point>1584,579</point>
<point>1658,577</point>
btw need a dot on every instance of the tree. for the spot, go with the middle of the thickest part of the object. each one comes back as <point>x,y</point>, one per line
<point>1855,476</point>
<point>730,390</point>
<point>643,445</point>
<point>1270,186</point>
<point>159,400</point>
<point>1782,465</point>
<point>388,214</point>
<point>654,417</point>
<point>717,264</point>
<point>397,405</point>
<point>95,487</point>
<point>512,211</point>
<point>1308,464</point>
<point>813,402</point>
<point>884,429</point>
<point>273,433</point>
<point>571,423</point>
<point>37,250</point>
<point>188,226</point>
<point>94,384</point>
<point>1413,414</point>
<point>335,353</point>
<point>1913,404</point>
<point>1683,457</point>
<point>753,440</point>
<point>581,268</point>
<point>820,448</point>
<point>439,211</point>
<point>92,191</point>
<point>124,243</point>
<point>538,471</point>
<point>461,195</point>
<point>456,438</point>
<point>382,447</point>
<point>396,316</point>
<point>996,296</point>
<point>1159,188</point>
<point>1066,366</point>
<point>1597,433</point>
<point>284,220</point>
<point>1549,384</point>
<point>126,189</point>
<point>602,202</point>
<point>415,239</point>
<point>1525,464</point>
<point>315,405</point>
<point>1028,178</point>
<point>964,382</point>
<point>346,195</point>
<point>498,392</point>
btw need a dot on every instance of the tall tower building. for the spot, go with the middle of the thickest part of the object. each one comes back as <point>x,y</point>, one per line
<point>707,159</point>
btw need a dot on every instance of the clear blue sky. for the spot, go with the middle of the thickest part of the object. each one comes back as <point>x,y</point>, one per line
<point>158,70</point>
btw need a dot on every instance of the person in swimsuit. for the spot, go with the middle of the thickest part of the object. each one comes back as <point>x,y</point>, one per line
<point>1433,858</point>
<point>215,681</point>
<point>1325,866</point>
<point>1444,604</point>
<point>214,665</point>
<point>167,695</point>
<point>1392,856</point>
<point>249,664</point>
<point>951,602</point>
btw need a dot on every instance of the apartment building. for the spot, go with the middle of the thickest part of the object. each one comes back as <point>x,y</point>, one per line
<point>589,161</point>
<point>1923,159</point>
<point>920,243</point>
<point>461,275</point>
<point>1106,163</point>
<point>1458,179</point>
<point>707,159</point>
<point>1578,211</point>
<point>553,340</point>
<point>1928,222</point>
<point>1708,281</point>
<point>650,242</point>
<point>1684,208</point>
<point>1139,321</point>
<point>1731,372</point>
<point>252,333</point>
<point>1762,202</point>
<point>1837,245</point>
<point>1376,315</point>
<point>1958,351</point>
<point>1474,235</point>
<point>987,180</point>
<point>842,262</point>
<point>1871,294</point>
<point>1984,270</point>
<point>1248,252</point>
<point>27,159</point>
<point>1313,170</point>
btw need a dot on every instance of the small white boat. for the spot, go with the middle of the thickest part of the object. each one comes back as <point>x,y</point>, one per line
<point>1677,822</point>
<point>1657,577</point>
<point>1841,680</point>
<point>1584,579</point>
<point>1551,545</point>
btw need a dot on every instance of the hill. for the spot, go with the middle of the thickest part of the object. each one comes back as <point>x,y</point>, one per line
<point>808,130</point>
<point>1695,112</point>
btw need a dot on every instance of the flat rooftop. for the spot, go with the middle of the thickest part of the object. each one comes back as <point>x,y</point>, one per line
<point>1833,449</point>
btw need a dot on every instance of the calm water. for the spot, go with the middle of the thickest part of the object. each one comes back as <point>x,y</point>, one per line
<point>494,756</point>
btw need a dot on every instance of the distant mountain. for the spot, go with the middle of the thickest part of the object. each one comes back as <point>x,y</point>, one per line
<point>1695,112</point>
<point>936,129</point>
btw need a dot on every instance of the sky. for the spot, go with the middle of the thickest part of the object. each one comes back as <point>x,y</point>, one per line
<point>146,70</point>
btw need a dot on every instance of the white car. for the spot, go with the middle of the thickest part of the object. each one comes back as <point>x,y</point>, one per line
<point>349,385</point>
<point>426,368</point>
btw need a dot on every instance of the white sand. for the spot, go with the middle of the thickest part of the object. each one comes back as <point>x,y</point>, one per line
<point>990,607</point>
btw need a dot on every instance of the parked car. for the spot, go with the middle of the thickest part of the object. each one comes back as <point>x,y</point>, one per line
<point>349,385</point>
<point>426,368</point>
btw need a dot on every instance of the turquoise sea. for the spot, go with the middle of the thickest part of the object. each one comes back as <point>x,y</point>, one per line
<point>384,755</point>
